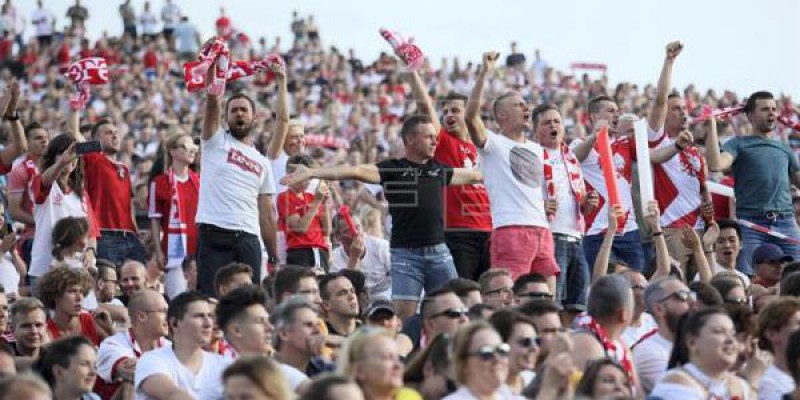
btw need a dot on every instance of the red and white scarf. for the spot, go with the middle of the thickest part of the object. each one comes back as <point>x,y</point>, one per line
<point>83,74</point>
<point>409,52</point>
<point>574,174</point>
<point>177,229</point>
<point>619,354</point>
<point>194,72</point>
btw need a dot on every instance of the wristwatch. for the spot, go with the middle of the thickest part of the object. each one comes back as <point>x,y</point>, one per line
<point>272,260</point>
<point>12,117</point>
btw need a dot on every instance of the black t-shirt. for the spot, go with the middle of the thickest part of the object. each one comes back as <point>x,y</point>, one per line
<point>414,192</point>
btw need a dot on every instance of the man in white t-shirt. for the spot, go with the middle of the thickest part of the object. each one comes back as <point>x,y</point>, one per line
<point>244,321</point>
<point>776,324</point>
<point>567,194</point>
<point>43,21</point>
<point>170,15</point>
<point>236,188</point>
<point>667,299</point>
<point>119,353</point>
<point>512,167</point>
<point>183,370</point>
<point>364,252</point>
<point>288,140</point>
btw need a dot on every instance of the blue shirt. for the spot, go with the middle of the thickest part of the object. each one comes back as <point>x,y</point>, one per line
<point>762,168</point>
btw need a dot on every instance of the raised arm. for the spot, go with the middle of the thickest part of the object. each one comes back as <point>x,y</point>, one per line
<point>664,154</point>
<point>583,148</point>
<point>473,113</point>
<point>717,160</point>
<point>299,224</point>
<point>658,114</point>
<point>653,219</point>
<point>363,172</point>
<point>466,176</point>
<point>424,102</point>
<point>282,121</point>
<point>600,267</point>
<point>51,174</point>
<point>211,118</point>
<point>17,143</point>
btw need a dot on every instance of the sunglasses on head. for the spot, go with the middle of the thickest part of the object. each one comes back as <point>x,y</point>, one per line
<point>452,313</point>
<point>530,341</point>
<point>487,353</point>
<point>680,295</point>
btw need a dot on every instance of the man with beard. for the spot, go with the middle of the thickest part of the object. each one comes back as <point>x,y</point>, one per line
<point>513,165</point>
<point>566,193</point>
<point>236,209</point>
<point>183,370</point>
<point>667,299</point>
<point>764,170</point>
<point>339,303</point>
<point>110,194</point>
<point>467,219</point>
<point>119,353</point>
<point>413,186</point>
<point>679,182</point>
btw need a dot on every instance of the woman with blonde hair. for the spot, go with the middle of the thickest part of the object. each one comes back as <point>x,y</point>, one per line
<point>372,359</point>
<point>255,378</point>
<point>480,363</point>
<point>173,199</point>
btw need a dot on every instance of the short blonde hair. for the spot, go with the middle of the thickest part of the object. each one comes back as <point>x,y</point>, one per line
<point>296,123</point>
<point>355,348</point>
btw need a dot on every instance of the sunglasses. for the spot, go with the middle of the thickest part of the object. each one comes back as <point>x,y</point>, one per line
<point>536,295</point>
<point>680,295</point>
<point>487,353</point>
<point>452,313</point>
<point>530,341</point>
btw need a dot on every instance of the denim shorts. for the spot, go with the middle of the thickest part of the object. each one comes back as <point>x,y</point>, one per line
<point>417,268</point>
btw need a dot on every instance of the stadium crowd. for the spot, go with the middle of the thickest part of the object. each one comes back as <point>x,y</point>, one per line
<point>341,228</point>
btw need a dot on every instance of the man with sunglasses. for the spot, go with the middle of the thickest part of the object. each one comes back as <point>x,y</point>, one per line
<point>531,286</point>
<point>545,316</point>
<point>667,299</point>
<point>442,311</point>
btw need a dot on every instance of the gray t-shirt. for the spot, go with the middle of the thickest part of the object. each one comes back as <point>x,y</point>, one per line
<point>762,169</point>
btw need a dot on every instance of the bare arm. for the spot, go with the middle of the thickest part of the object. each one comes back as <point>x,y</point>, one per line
<point>717,161</point>
<point>268,223</point>
<point>664,154</point>
<point>424,102</point>
<point>472,115</point>
<point>362,172</point>
<point>17,143</point>
<point>282,122</point>
<point>658,113</point>
<point>585,147</point>
<point>160,387</point>
<point>653,219</point>
<point>15,208</point>
<point>465,176</point>
<point>155,228</point>
<point>299,224</point>
<point>51,174</point>
<point>600,267</point>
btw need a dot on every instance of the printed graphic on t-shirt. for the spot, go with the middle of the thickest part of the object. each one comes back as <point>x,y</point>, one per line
<point>526,167</point>
<point>240,160</point>
<point>690,162</point>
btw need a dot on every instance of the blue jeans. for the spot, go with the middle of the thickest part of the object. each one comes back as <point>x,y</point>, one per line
<point>413,269</point>
<point>575,276</point>
<point>119,246</point>
<point>627,248</point>
<point>782,222</point>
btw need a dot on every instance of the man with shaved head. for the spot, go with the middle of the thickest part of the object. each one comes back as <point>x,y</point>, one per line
<point>133,276</point>
<point>512,167</point>
<point>117,356</point>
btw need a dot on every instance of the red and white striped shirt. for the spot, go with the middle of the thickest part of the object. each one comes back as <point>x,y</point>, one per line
<point>677,182</point>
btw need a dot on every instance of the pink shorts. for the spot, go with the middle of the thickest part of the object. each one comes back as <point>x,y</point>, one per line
<point>524,249</point>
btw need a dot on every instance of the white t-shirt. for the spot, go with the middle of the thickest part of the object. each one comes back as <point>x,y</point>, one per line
<point>633,334</point>
<point>514,178</point>
<point>9,276</point>
<point>566,219</point>
<point>676,182</point>
<point>149,23</point>
<point>376,265</point>
<point>42,20</point>
<point>279,170</point>
<point>294,377</point>
<point>651,357</point>
<point>116,347</point>
<point>171,15</point>
<point>206,385</point>
<point>234,174</point>
<point>774,384</point>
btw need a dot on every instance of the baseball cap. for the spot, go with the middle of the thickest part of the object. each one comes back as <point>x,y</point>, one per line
<point>378,305</point>
<point>769,252</point>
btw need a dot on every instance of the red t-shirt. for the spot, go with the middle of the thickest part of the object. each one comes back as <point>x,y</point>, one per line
<point>290,203</point>
<point>19,181</point>
<point>88,328</point>
<point>466,206</point>
<point>108,186</point>
<point>150,59</point>
<point>160,206</point>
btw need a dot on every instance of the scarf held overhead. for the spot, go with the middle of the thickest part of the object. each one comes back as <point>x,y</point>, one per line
<point>194,72</point>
